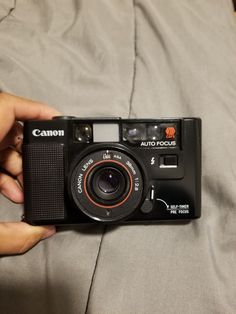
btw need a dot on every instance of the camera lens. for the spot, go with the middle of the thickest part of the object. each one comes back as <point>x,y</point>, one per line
<point>109,180</point>
<point>108,184</point>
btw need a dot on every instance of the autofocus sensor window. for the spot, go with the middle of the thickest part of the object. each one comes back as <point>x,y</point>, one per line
<point>154,132</point>
<point>83,133</point>
<point>134,132</point>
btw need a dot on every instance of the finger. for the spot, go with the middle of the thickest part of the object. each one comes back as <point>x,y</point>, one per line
<point>20,180</point>
<point>19,237</point>
<point>17,108</point>
<point>14,137</point>
<point>10,188</point>
<point>11,161</point>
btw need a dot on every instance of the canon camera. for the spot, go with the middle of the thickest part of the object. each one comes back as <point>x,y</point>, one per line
<point>111,170</point>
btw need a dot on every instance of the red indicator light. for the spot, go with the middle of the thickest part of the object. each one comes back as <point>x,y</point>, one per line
<point>170,132</point>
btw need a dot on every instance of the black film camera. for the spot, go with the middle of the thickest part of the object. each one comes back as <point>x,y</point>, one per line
<point>80,170</point>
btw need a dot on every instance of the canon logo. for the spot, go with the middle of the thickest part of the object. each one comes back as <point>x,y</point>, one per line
<point>37,132</point>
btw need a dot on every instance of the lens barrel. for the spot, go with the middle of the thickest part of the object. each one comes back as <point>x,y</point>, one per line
<point>106,185</point>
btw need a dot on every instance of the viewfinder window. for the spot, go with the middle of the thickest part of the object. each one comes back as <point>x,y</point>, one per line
<point>106,132</point>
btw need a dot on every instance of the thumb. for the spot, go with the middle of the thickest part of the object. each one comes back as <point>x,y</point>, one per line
<point>19,237</point>
<point>16,108</point>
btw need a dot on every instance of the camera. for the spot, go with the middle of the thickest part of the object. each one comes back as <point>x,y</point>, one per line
<point>111,170</point>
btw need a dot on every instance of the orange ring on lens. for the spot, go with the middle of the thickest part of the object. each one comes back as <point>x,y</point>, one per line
<point>108,206</point>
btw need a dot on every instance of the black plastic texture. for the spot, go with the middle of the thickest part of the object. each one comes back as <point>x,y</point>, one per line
<point>43,182</point>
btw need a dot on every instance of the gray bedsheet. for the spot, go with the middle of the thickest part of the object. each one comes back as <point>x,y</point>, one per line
<point>131,59</point>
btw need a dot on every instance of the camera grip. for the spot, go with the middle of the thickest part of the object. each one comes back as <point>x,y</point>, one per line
<point>43,169</point>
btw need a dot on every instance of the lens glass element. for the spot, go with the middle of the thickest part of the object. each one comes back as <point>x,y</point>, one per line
<point>109,180</point>
<point>108,184</point>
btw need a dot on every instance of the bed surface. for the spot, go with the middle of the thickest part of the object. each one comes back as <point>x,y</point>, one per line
<point>130,59</point>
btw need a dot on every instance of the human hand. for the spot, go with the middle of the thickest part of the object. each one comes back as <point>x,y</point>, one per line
<point>17,237</point>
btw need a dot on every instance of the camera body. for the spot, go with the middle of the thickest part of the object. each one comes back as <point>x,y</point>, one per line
<point>111,170</point>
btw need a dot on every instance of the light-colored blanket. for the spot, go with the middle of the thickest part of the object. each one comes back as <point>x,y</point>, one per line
<point>140,58</point>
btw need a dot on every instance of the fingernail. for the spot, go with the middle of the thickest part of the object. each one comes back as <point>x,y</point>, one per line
<point>50,230</point>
